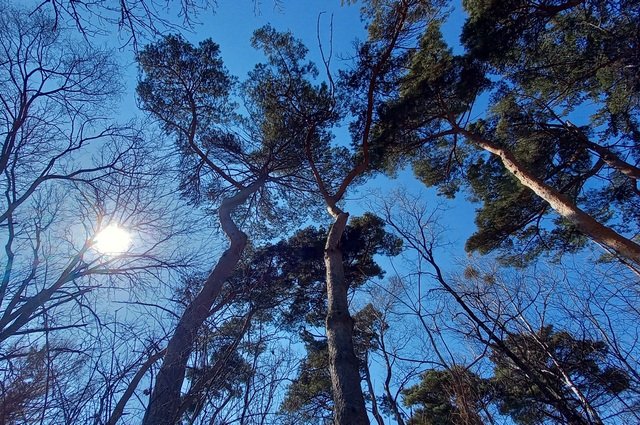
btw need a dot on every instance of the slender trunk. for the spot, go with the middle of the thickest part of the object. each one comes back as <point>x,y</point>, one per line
<point>164,402</point>
<point>591,413</point>
<point>391,399</point>
<point>595,230</point>
<point>372,394</point>
<point>119,409</point>
<point>349,406</point>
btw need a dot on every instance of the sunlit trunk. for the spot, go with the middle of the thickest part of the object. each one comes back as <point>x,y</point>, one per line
<point>599,233</point>
<point>349,406</point>
<point>164,402</point>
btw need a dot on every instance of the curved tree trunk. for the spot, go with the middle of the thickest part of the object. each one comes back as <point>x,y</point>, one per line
<point>599,233</point>
<point>349,406</point>
<point>164,402</point>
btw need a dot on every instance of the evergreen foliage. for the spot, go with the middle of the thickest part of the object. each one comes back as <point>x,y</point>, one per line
<point>451,396</point>
<point>534,117</point>
<point>310,396</point>
<point>556,357</point>
<point>541,66</point>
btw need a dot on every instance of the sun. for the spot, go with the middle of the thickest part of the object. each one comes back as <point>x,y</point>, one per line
<point>112,240</point>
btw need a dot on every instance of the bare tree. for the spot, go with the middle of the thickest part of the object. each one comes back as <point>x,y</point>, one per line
<point>410,218</point>
<point>134,19</point>
<point>67,173</point>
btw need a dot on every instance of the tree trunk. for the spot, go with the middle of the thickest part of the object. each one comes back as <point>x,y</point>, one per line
<point>591,414</point>
<point>391,399</point>
<point>614,160</point>
<point>349,406</point>
<point>164,402</point>
<point>131,388</point>
<point>599,233</point>
<point>372,394</point>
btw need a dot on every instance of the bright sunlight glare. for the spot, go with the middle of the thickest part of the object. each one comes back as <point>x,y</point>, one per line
<point>112,240</point>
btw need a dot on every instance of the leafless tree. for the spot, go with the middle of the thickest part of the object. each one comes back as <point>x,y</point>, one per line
<point>134,20</point>
<point>491,317</point>
<point>67,172</point>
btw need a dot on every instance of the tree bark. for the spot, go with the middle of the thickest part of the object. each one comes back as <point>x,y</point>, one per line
<point>601,234</point>
<point>591,414</point>
<point>164,403</point>
<point>349,406</point>
<point>613,160</point>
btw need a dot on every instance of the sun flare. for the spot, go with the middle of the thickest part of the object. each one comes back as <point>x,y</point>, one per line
<point>112,240</point>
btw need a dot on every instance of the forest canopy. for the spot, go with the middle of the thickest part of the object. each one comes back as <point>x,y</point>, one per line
<point>410,212</point>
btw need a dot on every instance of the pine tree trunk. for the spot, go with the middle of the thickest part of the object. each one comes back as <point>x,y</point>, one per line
<point>349,406</point>
<point>164,402</point>
<point>599,233</point>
